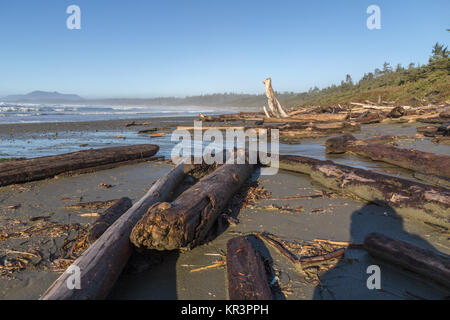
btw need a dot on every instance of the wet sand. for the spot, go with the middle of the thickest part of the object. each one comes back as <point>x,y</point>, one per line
<point>166,275</point>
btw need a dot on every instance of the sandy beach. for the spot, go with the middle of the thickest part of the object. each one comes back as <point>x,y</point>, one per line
<point>167,275</point>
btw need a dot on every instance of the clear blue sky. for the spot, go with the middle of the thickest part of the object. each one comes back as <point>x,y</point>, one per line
<point>160,48</point>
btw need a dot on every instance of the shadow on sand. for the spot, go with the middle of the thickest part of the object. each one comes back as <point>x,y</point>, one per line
<point>348,279</point>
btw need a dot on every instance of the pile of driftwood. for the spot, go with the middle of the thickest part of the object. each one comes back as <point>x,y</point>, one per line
<point>317,121</point>
<point>154,223</point>
<point>165,220</point>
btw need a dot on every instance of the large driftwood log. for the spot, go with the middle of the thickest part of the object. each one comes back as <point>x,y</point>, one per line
<point>247,279</point>
<point>240,116</point>
<point>107,218</point>
<point>415,160</point>
<point>21,171</point>
<point>407,198</point>
<point>321,117</point>
<point>272,101</point>
<point>102,263</point>
<point>424,262</point>
<point>187,221</point>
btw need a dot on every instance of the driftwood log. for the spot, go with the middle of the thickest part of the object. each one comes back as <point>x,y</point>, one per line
<point>187,221</point>
<point>424,262</point>
<point>21,171</point>
<point>272,101</point>
<point>107,218</point>
<point>410,199</point>
<point>247,279</point>
<point>321,117</point>
<point>425,162</point>
<point>102,263</point>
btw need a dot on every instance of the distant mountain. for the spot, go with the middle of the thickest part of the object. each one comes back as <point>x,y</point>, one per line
<point>43,96</point>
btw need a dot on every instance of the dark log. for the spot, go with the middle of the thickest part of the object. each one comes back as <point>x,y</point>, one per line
<point>415,160</point>
<point>433,120</point>
<point>288,135</point>
<point>187,221</point>
<point>368,117</point>
<point>442,140</point>
<point>397,112</point>
<point>148,130</point>
<point>47,167</point>
<point>407,198</point>
<point>107,218</point>
<point>321,117</point>
<point>445,113</point>
<point>109,166</point>
<point>102,263</point>
<point>241,116</point>
<point>247,279</point>
<point>421,261</point>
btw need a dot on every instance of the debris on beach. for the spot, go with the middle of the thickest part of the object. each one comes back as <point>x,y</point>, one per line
<point>27,170</point>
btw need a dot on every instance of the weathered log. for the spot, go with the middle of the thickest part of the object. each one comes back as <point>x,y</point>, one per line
<point>368,117</point>
<point>107,218</point>
<point>133,123</point>
<point>306,131</point>
<point>421,261</point>
<point>187,221</point>
<point>321,117</point>
<point>397,112</point>
<point>109,166</point>
<point>150,130</point>
<point>272,101</point>
<point>407,198</point>
<point>442,140</point>
<point>432,120</point>
<point>101,264</point>
<point>45,167</point>
<point>247,279</point>
<point>445,113</point>
<point>240,116</point>
<point>415,160</point>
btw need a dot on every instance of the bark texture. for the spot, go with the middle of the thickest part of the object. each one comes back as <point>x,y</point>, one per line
<point>247,279</point>
<point>415,160</point>
<point>102,263</point>
<point>424,262</point>
<point>21,171</point>
<point>409,199</point>
<point>186,221</point>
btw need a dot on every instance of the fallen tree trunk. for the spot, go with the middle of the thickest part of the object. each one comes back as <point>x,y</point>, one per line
<point>415,160</point>
<point>272,101</point>
<point>47,167</point>
<point>240,116</point>
<point>102,263</point>
<point>424,262</point>
<point>187,221</point>
<point>321,117</point>
<point>107,218</point>
<point>368,117</point>
<point>247,278</point>
<point>407,198</point>
<point>293,132</point>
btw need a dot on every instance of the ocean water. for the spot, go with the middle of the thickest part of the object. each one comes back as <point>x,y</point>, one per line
<point>44,113</point>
